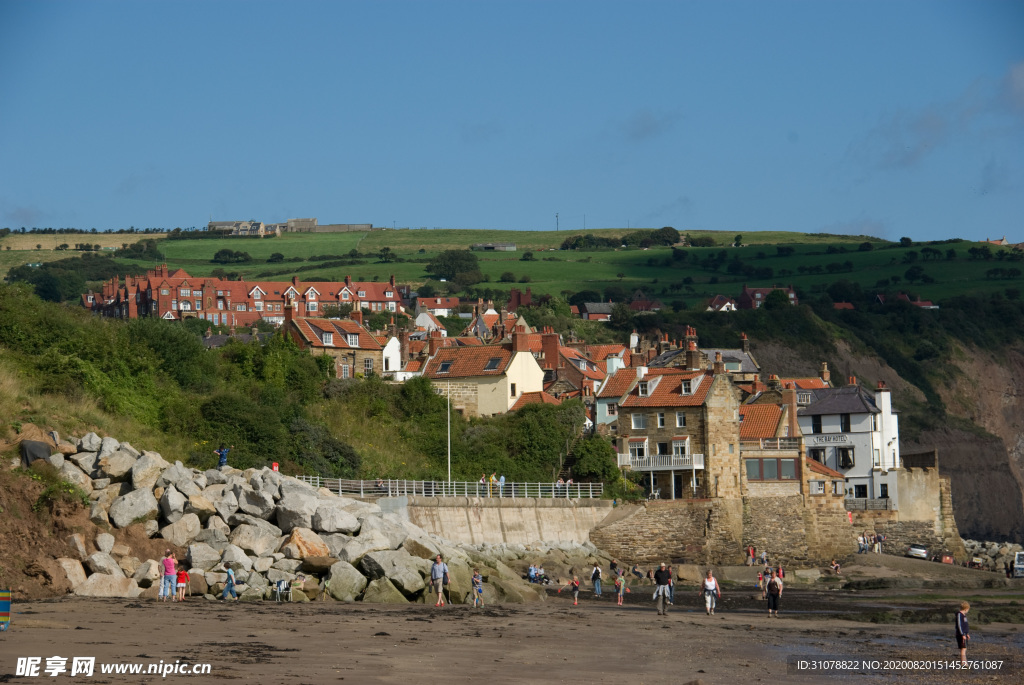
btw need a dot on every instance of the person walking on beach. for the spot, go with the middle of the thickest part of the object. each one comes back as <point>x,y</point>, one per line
<point>439,578</point>
<point>962,631</point>
<point>595,577</point>
<point>575,585</point>
<point>478,588</point>
<point>774,590</point>
<point>229,586</point>
<point>711,590</point>
<point>167,584</point>
<point>671,586</point>
<point>183,580</point>
<point>222,453</point>
<point>761,584</point>
<point>661,579</point>
<point>620,586</point>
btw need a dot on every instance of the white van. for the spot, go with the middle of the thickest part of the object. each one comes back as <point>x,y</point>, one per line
<point>1018,565</point>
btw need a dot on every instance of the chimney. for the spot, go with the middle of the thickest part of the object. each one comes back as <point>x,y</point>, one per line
<point>231,331</point>
<point>519,343</point>
<point>692,355</point>
<point>295,281</point>
<point>549,346</point>
<point>851,380</point>
<point>719,365</point>
<point>348,281</point>
<point>774,383</point>
<point>664,345</point>
<point>289,312</point>
<point>403,345</point>
<point>392,280</point>
<point>209,332</point>
<point>254,331</point>
<point>641,371</point>
<point>434,342</point>
<point>824,373</point>
<point>745,343</point>
<point>789,399</point>
<point>357,315</point>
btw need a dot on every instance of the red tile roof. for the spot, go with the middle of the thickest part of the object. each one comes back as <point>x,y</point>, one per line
<point>539,397</point>
<point>311,330</point>
<point>469,361</point>
<point>413,366</point>
<point>618,383</point>
<point>759,421</point>
<point>822,469</point>
<point>806,383</point>
<point>668,390</point>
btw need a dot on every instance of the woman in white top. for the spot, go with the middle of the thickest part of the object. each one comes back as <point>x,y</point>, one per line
<point>711,592</point>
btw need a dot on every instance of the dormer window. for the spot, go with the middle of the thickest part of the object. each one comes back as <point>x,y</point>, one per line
<point>311,295</point>
<point>389,293</point>
<point>804,398</point>
<point>329,339</point>
<point>361,293</point>
<point>353,340</point>
<point>687,387</point>
<point>445,367</point>
<point>643,388</point>
<point>256,295</point>
<point>492,363</point>
<point>344,295</point>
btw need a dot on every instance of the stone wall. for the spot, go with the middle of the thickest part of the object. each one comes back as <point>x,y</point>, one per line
<point>776,524</point>
<point>464,396</point>
<point>695,531</point>
<point>473,520</point>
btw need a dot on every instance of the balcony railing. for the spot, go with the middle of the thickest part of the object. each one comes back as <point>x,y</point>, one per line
<point>771,444</point>
<point>656,462</point>
<point>862,504</point>
<point>370,489</point>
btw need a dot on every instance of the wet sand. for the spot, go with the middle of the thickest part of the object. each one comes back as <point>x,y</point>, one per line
<point>554,642</point>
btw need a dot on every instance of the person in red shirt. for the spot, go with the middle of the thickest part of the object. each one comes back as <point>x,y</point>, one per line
<point>183,580</point>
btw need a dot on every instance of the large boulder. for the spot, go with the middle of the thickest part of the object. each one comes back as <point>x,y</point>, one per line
<point>215,477</point>
<point>148,573</point>
<point>296,510</point>
<point>199,505</point>
<point>173,474</point>
<point>372,541</point>
<point>98,514</point>
<point>182,531</point>
<point>56,460</point>
<point>103,585</point>
<point>394,531</point>
<point>421,546</point>
<point>105,542</point>
<point>335,541</point>
<point>402,569</point>
<point>129,565</point>
<point>137,505</point>
<point>382,591</point>
<point>303,543</point>
<point>203,556</point>
<point>76,541</point>
<point>345,583</point>
<point>334,517</point>
<point>117,466</point>
<point>84,460</point>
<point>90,443</point>
<point>103,563</point>
<point>255,502</point>
<point>147,469</point>
<point>255,540</point>
<point>76,476</point>
<point>223,500</point>
<point>73,570</point>
<point>172,504</point>
<point>108,446</point>
<point>317,565</point>
<point>234,557</point>
<point>292,486</point>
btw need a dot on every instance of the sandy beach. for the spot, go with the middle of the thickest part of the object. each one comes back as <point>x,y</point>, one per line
<point>553,642</point>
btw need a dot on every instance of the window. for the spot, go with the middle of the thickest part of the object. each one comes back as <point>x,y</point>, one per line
<point>770,469</point>
<point>753,469</point>
<point>329,339</point>
<point>164,291</point>
<point>613,409</point>
<point>639,421</point>
<point>368,365</point>
<point>352,339</point>
<point>186,306</point>
<point>687,387</point>
<point>344,371</point>
<point>256,295</point>
<point>818,454</point>
<point>732,448</point>
<point>174,304</point>
<point>387,364</point>
<point>344,295</point>
<point>837,487</point>
<point>679,448</point>
<point>220,293</point>
<point>883,491</point>
<point>311,306</point>
<point>361,293</point>
<point>787,469</point>
<point>277,307</point>
<point>492,364</point>
<point>220,304</point>
<point>258,306</point>
<point>240,308</point>
<point>310,295</point>
<point>860,491</point>
<point>817,487</point>
<point>680,419</point>
<point>877,459</point>
<point>389,293</point>
<point>844,423</point>
<point>874,422</point>
<point>661,420</point>
<point>199,305</point>
<point>845,457</point>
<point>391,307</point>
<point>816,424</point>
<point>638,449</point>
<point>186,292</point>
<point>445,367</point>
<point>805,398</point>
<point>642,388</point>
<point>512,389</point>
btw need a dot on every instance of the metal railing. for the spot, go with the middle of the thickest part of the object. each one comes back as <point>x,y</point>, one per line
<point>662,461</point>
<point>435,488</point>
<point>862,504</point>
<point>771,444</point>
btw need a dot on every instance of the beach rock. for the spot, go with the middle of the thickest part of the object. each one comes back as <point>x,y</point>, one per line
<point>90,443</point>
<point>76,476</point>
<point>214,477</point>
<point>197,584</point>
<point>100,484</point>
<point>335,541</point>
<point>173,474</point>
<point>103,563</point>
<point>151,527</point>
<point>172,504</point>
<point>183,531</point>
<point>422,547</point>
<point>129,565</point>
<point>346,583</point>
<point>263,564</point>
<point>203,556</point>
<point>200,506</point>
<point>126,447</point>
<point>393,531</point>
<point>76,541</point>
<point>318,565</point>
<point>382,591</point>
<point>255,502</point>
<point>223,500</point>
<point>105,542</point>
<point>67,448</point>
<point>102,585</point>
<point>296,510</point>
<point>303,543</point>
<point>148,573</point>
<point>217,523</point>
<point>292,487</point>
<point>116,466</point>
<point>120,550</point>
<point>73,570</point>
<point>235,558</point>
<point>135,506</point>
<point>56,460</point>
<point>108,446</point>
<point>147,469</point>
<point>372,541</point>
<point>98,514</point>
<point>333,517</point>
<point>83,460</point>
<point>214,578</point>
<point>253,539</point>
<point>290,566</point>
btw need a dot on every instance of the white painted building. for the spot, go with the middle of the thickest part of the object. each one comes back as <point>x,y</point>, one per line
<point>855,432</point>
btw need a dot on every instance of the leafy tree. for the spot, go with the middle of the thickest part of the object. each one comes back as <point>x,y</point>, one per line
<point>906,242</point>
<point>914,273</point>
<point>595,461</point>
<point>451,262</point>
<point>738,240</point>
<point>527,257</point>
<point>386,255</point>
<point>228,256</point>
<point>426,290</point>
<point>275,258</point>
<point>507,277</point>
<point>777,299</point>
<point>584,296</point>
<point>866,246</point>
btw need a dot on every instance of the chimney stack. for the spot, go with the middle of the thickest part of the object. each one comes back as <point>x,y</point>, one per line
<point>825,374</point>
<point>295,281</point>
<point>789,400</point>
<point>434,342</point>
<point>745,343</point>
<point>719,366</point>
<point>692,355</point>
<point>519,343</point>
<point>289,312</point>
<point>549,346</point>
<point>357,315</point>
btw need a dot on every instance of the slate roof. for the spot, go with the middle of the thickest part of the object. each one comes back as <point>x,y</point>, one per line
<point>759,421</point>
<point>846,400</point>
<point>597,307</point>
<point>733,356</point>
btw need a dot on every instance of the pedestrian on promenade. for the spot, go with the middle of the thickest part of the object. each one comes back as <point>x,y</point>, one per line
<point>167,585</point>
<point>222,453</point>
<point>595,577</point>
<point>711,590</point>
<point>762,583</point>
<point>575,585</point>
<point>438,579</point>
<point>492,483</point>
<point>478,588</point>
<point>962,631</point>
<point>501,486</point>
<point>774,591</point>
<point>661,580</point>
<point>751,558</point>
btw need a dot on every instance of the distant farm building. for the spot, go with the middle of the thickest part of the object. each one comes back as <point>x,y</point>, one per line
<point>493,247</point>
<point>290,226</point>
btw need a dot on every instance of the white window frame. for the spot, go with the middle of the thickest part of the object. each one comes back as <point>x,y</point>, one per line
<point>687,387</point>
<point>661,419</point>
<point>637,449</point>
<point>352,339</point>
<point>329,339</point>
<point>680,419</point>
<point>681,448</point>
<point>638,421</point>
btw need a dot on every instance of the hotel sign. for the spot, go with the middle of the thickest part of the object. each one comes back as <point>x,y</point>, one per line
<point>826,439</point>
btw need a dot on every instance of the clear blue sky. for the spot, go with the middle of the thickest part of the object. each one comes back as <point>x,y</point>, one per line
<point>887,118</point>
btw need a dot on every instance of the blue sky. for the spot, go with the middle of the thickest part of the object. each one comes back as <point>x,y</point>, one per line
<point>885,118</point>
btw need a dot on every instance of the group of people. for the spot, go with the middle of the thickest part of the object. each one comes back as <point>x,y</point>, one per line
<point>770,583</point>
<point>493,483</point>
<point>869,542</point>
<point>175,579</point>
<point>536,574</point>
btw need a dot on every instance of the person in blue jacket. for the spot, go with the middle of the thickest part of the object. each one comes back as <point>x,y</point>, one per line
<point>962,631</point>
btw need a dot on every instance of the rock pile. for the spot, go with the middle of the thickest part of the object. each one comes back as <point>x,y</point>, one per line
<point>994,555</point>
<point>265,526</point>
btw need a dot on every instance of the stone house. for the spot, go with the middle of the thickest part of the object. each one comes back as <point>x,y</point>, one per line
<point>753,298</point>
<point>355,350</point>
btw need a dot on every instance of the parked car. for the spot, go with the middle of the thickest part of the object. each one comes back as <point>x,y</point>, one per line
<point>917,551</point>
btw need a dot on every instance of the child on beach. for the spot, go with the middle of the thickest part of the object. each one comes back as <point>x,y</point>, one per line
<point>478,588</point>
<point>620,586</point>
<point>183,580</point>
<point>962,634</point>
<point>575,585</point>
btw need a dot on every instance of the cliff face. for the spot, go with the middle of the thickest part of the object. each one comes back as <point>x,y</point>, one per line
<point>986,472</point>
